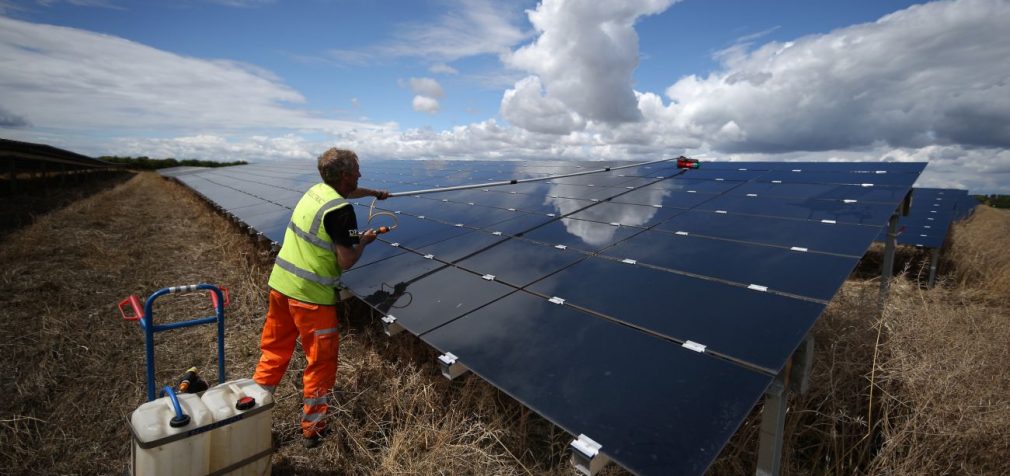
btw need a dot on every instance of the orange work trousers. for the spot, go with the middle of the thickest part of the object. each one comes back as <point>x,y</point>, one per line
<point>316,326</point>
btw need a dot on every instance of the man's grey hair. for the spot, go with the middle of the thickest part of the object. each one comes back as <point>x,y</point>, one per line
<point>335,162</point>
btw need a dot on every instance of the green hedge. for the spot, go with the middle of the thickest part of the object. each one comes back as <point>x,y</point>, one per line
<point>147,163</point>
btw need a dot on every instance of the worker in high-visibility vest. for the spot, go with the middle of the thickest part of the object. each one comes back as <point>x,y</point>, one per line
<point>321,241</point>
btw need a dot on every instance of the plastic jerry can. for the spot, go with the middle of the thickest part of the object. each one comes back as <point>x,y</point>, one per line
<point>240,443</point>
<point>162,446</point>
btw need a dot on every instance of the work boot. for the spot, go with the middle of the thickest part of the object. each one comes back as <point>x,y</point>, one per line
<point>316,439</point>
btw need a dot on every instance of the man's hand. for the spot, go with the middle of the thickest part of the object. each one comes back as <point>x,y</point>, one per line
<point>381,194</point>
<point>367,237</point>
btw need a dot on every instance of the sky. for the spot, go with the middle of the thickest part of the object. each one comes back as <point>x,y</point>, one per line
<point>262,80</point>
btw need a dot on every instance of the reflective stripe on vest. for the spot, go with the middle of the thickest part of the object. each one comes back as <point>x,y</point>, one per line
<point>315,240</point>
<point>308,275</point>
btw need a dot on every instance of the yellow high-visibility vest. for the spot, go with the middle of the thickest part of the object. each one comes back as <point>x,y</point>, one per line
<point>306,268</point>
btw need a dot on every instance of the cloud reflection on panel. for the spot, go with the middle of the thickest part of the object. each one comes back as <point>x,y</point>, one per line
<point>596,235</point>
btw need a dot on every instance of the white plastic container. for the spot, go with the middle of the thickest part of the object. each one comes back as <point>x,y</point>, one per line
<point>188,455</point>
<point>241,441</point>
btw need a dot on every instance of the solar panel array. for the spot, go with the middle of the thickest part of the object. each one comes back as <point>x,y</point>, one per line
<point>930,215</point>
<point>648,308</point>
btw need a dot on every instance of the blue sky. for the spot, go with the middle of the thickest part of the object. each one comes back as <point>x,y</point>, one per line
<point>462,79</point>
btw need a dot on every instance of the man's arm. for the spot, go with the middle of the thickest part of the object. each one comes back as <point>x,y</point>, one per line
<point>367,192</point>
<point>348,255</point>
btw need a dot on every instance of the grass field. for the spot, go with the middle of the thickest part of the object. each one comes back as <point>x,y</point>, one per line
<point>921,389</point>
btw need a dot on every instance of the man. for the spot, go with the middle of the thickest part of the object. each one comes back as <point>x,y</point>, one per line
<point>321,241</point>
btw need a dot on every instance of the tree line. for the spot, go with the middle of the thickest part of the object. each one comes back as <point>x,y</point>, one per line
<point>995,201</point>
<point>147,163</point>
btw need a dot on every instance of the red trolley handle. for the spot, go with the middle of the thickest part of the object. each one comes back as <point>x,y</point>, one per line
<point>138,308</point>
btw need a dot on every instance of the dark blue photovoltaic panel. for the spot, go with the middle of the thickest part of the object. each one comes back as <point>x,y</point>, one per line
<point>737,257</point>
<point>658,195</point>
<point>626,214</point>
<point>725,175</point>
<point>821,191</point>
<point>929,218</point>
<point>382,283</point>
<point>807,274</point>
<point>813,235</point>
<point>519,262</point>
<point>425,304</point>
<point>588,236</point>
<point>655,407</point>
<point>681,184</point>
<point>682,308</point>
<point>272,224</point>
<point>841,177</point>
<point>520,223</point>
<point>458,247</point>
<point>415,233</point>
<point>869,213</point>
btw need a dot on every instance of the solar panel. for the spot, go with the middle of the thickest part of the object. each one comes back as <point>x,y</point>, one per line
<point>930,215</point>
<point>645,307</point>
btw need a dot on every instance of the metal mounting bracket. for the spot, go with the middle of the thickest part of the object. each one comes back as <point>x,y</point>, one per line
<point>586,456</point>
<point>390,326</point>
<point>451,366</point>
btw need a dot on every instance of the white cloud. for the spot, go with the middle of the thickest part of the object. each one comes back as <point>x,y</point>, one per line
<point>74,79</point>
<point>584,56</point>
<point>527,106</point>
<point>426,87</point>
<point>469,28</point>
<point>442,68</point>
<point>425,104</point>
<point>926,83</point>
<point>930,74</point>
<point>427,92</point>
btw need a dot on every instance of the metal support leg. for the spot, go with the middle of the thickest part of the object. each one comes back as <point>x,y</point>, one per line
<point>933,262</point>
<point>887,270</point>
<point>773,422</point>
<point>795,377</point>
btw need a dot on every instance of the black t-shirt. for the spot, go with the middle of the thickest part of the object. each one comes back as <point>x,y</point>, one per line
<point>342,226</point>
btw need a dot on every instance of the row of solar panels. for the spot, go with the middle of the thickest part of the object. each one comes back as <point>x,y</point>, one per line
<point>931,214</point>
<point>30,157</point>
<point>646,307</point>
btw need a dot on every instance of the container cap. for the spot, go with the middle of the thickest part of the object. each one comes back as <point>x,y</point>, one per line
<point>245,403</point>
<point>179,421</point>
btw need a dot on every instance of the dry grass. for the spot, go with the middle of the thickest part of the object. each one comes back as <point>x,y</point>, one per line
<point>979,252</point>
<point>936,361</point>
<point>77,371</point>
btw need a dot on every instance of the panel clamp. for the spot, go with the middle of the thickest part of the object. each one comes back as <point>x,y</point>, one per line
<point>628,261</point>
<point>489,277</point>
<point>390,326</point>
<point>557,300</point>
<point>451,366</point>
<point>586,456</point>
<point>692,345</point>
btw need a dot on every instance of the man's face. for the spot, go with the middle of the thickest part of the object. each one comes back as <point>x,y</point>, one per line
<point>351,179</point>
